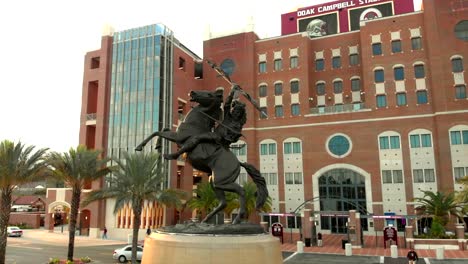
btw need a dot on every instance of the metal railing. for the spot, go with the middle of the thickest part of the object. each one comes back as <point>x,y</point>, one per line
<point>91,117</point>
<point>321,110</point>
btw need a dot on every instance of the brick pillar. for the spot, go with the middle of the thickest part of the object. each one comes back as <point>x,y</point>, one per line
<point>460,230</point>
<point>307,227</point>
<point>49,222</point>
<point>354,228</point>
<point>409,233</point>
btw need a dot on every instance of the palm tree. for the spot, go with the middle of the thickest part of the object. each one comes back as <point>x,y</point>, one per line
<point>138,177</point>
<point>75,168</point>
<point>440,205</point>
<point>205,199</point>
<point>462,196</point>
<point>18,165</point>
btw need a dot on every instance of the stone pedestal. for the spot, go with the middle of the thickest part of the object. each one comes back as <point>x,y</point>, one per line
<point>171,248</point>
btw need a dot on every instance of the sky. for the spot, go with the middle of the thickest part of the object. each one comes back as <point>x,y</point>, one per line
<point>43,44</point>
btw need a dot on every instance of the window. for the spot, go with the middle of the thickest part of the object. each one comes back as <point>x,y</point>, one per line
<point>239,149</point>
<point>268,149</point>
<point>295,111</point>
<point>262,67</point>
<point>418,176</point>
<point>353,59</point>
<point>461,30</point>
<point>416,43</point>
<point>460,91</point>
<point>287,148</point>
<point>386,176</point>
<point>278,64</point>
<point>271,178</point>
<point>421,97</point>
<point>459,172</point>
<point>319,65</point>
<point>289,177</point>
<point>414,141</point>
<point>262,91</point>
<point>383,143</point>
<point>95,62</point>
<point>182,63</point>
<point>355,85</point>
<point>336,62</point>
<point>419,71</point>
<point>397,176</point>
<point>429,175</point>
<point>293,62</point>
<point>399,73</point>
<point>394,142</point>
<point>396,46</point>
<point>459,137</point>
<point>298,178</point>
<point>426,141</point>
<point>296,147</point>
<point>320,87</point>
<point>294,86</point>
<point>379,76</point>
<point>279,111</point>
<point>401,99</point>
<point>457,65</point>
<point>278,88</point>
<point>294,221</point>
<point>377,49</point>
<point>263,114</point>
<point>338,87</point>
<point>381,100</point>
<point>339,145</point>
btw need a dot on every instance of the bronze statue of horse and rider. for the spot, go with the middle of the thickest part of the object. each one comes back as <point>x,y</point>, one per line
<point>205,135</point>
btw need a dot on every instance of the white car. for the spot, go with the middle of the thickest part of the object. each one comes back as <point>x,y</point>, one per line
<point>14,231</point>
<point>125,253</point>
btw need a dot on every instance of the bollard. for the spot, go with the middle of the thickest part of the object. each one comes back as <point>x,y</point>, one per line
<point>348,249</point>
<point>394,251</point>
<point>300,247</point>
<point>440,253</point>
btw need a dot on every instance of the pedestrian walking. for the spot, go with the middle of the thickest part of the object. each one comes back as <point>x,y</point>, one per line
<point>148,231</point>
<point>104,233</point>
<point>412,256</point>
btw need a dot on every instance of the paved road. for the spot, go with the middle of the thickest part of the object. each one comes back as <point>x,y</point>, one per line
<point>310,258</point>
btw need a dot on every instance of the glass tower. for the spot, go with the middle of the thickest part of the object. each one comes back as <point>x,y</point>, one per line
<point>140,86</point>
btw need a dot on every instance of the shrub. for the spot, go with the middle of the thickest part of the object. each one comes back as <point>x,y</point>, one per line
<point>69,262</point>
<point>54,260</point>
<point>85,259</point>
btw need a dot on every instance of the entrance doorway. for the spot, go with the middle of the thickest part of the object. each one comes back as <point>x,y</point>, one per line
<point>341,190</point>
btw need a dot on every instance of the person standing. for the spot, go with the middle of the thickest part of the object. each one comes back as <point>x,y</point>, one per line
<point>148,231</point>
<point>104,233</point>
<point>319,240</point>
<point>412,256</point>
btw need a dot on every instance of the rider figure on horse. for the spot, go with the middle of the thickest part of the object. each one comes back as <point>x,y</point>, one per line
<point>226,133</point>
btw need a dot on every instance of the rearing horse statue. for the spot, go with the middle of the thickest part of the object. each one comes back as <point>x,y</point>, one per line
<point>211,156</point>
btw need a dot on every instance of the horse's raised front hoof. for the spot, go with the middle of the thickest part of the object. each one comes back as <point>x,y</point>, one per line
<point>139,148</point>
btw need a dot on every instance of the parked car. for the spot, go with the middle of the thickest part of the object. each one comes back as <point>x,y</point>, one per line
<point>14,231</point>
<point>125,253</point>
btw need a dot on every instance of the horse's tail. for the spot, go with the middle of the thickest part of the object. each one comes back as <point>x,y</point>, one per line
<point>262,191</point>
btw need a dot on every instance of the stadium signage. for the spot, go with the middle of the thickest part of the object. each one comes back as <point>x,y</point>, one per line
<point>334,6</point>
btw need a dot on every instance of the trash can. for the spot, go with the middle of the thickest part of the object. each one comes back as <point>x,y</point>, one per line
<point>343,243</point>
<point>307,242</point>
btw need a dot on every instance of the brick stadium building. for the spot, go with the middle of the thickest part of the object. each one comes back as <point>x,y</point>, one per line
<point>359,118</point>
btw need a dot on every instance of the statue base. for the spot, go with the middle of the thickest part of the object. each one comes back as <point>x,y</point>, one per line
<point>170,248</point>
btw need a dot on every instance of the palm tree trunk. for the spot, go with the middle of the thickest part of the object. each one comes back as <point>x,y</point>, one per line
<point>75,204</point>
<point>5,205</point>
<point>136,227</point>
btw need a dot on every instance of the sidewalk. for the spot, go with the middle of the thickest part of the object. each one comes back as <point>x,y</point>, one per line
<point>332,245</point>
<point>57,237</point>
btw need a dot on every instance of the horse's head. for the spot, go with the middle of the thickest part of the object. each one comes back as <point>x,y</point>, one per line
<point>207,98</point>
